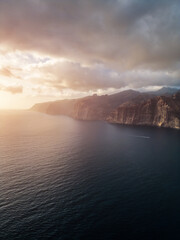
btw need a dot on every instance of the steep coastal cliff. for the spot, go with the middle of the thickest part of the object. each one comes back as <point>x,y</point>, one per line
<point>127,107</point>
<point>88,108</point>
<point>159,111</point>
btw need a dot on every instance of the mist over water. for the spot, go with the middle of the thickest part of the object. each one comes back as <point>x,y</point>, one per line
<point>67,179</point>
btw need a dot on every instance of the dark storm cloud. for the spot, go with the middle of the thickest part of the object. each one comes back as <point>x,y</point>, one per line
<point>122,35</point>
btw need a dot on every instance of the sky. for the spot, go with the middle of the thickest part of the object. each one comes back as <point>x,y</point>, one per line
<point>57,49</point>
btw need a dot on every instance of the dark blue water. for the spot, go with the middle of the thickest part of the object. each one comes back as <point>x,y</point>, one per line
<point>67,179</point>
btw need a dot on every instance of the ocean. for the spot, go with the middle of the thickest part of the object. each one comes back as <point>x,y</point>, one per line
<point>66,179</point>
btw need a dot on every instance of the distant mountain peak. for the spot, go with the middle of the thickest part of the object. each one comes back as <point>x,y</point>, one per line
<point>166,91</point>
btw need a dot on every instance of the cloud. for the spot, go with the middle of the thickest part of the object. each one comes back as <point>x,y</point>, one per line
<point>11,89</point>
<point>9,72</point>
<point>6,72</point>
<point>124,43</point>
<point>131,32</point>
<point>70,75</point>
<point>78,77</point>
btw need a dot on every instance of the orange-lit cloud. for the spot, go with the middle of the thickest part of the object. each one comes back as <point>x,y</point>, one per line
<point>6,72</point>
<point>12,89</point>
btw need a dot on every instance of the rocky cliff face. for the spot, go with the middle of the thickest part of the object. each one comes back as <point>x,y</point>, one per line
<point>88,108</point>
<point>158,111</point>
<point>91,108</point>
<point>128,107</point>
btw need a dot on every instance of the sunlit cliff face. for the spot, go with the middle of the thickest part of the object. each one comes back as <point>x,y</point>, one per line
<point>72,48</point>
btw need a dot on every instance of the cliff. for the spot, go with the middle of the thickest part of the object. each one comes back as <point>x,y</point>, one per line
<point>99,107</point>
<point>87,108</point>
<point>127,107</point>
<point>159,111</point>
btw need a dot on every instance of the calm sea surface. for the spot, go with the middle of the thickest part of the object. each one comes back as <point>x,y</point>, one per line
<point>67,179</point>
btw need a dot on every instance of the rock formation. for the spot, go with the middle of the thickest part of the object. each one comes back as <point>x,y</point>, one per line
<point>127,107</point>
<point>159,111</point>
